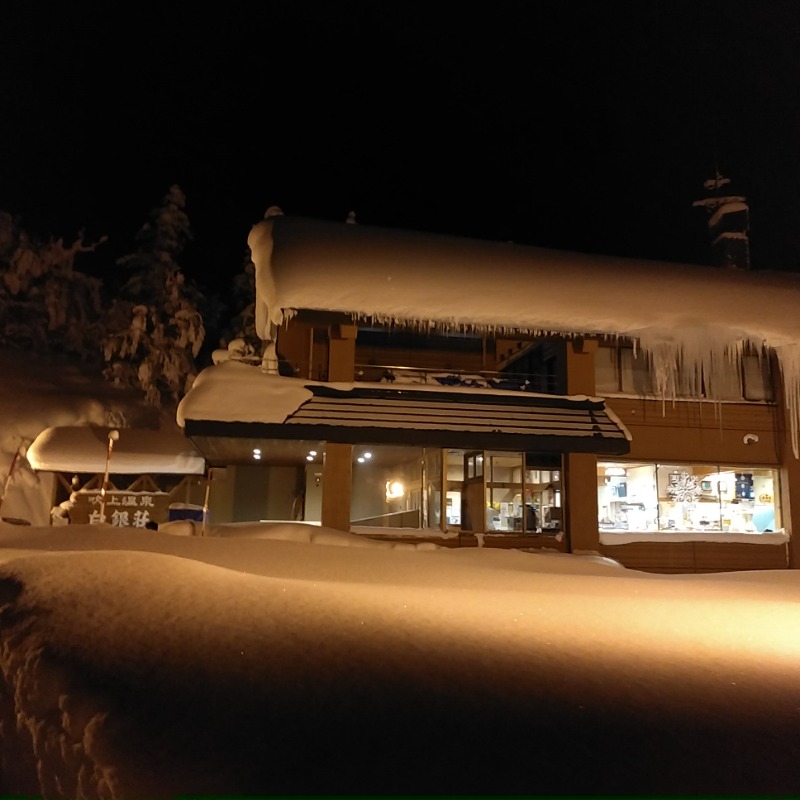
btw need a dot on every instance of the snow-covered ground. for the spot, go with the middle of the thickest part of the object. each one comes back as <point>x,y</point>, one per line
<point>287,658</point>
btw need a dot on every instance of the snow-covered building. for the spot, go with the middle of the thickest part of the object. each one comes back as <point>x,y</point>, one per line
<point>473,392</point>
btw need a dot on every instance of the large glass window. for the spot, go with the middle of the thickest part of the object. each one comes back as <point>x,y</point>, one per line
<point>649,497</point>
<point>471,490</point>
<point>388,487</point>
<point>620,369</point>
<point>454,479</point>
<point>521,492</point>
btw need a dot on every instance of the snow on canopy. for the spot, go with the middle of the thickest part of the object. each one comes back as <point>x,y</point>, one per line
<point>81,448</point>
<point>684,317</point>
<point>232,391</point>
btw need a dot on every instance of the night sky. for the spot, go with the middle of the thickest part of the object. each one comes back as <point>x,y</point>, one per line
<point>583,126</point>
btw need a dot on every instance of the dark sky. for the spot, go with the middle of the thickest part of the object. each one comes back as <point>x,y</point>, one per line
<point>579,125</point>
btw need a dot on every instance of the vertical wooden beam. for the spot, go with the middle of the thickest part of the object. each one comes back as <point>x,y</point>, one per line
<point>295,345</point>
<point>580,491</point>
<point>580,469</point>
<point>789,497</point>
<point>337,475</point>
<point>342,352</point>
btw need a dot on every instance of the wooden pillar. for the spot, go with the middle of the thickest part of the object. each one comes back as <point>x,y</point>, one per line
<point>580,469</point>
<point>790,504</point>
<point>580,490</point>
<point>789,497</point>
<point>342,352</point>
<point>337,474</point>
<point>295,344</point>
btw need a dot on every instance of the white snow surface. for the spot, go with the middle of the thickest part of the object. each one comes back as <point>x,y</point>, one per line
<point>241,392</point>
<point>678,313</point>
<point>81,448</point>
<point>289,659</point>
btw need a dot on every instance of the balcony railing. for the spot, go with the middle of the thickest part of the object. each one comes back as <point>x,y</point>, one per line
<point>483,379</point>
<point>542,383</point>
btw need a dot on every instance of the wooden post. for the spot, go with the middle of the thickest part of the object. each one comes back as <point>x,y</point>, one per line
<point>580,469</point>
<point>205,501</point>
<point>337,473</point>
<point>20,451</point>
<point>113,436</point>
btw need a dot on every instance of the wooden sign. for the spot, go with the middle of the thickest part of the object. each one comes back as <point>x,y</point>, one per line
<point>124,509</point>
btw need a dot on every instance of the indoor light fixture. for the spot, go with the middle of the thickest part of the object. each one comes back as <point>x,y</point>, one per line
<point>394,489</point>
<point>615,471</point>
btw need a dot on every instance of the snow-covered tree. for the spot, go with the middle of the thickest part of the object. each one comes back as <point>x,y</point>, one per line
<point>243,301</point>
<point>237,337</point>
<point>45,303</point>
<point>155,328</point>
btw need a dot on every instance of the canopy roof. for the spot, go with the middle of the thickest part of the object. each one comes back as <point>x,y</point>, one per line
<point>136,451</point>
<point>259,405</point>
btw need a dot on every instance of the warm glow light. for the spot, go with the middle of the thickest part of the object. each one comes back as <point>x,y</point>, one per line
<point>367,455</point>
<point>256,451</point>
<point>394,489</point>
<point>312,453</point>
<point>616,471</point>
<point>361,459</point>
<point>257,456</point>
<point>309,457</point>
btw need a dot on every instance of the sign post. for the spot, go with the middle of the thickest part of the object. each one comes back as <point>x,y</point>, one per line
<point>113,436</point>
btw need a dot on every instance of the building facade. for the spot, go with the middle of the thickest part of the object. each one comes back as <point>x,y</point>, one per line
<point>426,388</point>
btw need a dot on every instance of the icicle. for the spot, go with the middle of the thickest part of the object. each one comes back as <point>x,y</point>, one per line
<point>789,361</point>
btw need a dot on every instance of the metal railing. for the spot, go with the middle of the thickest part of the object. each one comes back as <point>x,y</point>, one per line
<point>543,383</point>
<point>481,379</point>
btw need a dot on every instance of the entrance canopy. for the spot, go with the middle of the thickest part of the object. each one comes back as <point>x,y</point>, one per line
<point>83,449</point>
<point>258,405</point>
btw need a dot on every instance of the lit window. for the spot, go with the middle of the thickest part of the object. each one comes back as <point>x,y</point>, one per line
<point>647,497</point>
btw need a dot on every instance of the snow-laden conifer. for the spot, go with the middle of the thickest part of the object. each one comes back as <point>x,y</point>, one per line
<point>155,329</point>
<point>45,303</point>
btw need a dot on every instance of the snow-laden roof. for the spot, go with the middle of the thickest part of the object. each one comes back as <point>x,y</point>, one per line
<point>425,278</point>
<point>83,448</point>
<point>684,316</point>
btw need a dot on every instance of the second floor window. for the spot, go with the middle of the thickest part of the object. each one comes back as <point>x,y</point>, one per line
<point>620,370</point>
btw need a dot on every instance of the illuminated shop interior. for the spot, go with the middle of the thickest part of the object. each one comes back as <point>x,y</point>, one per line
<point>650,497</point>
